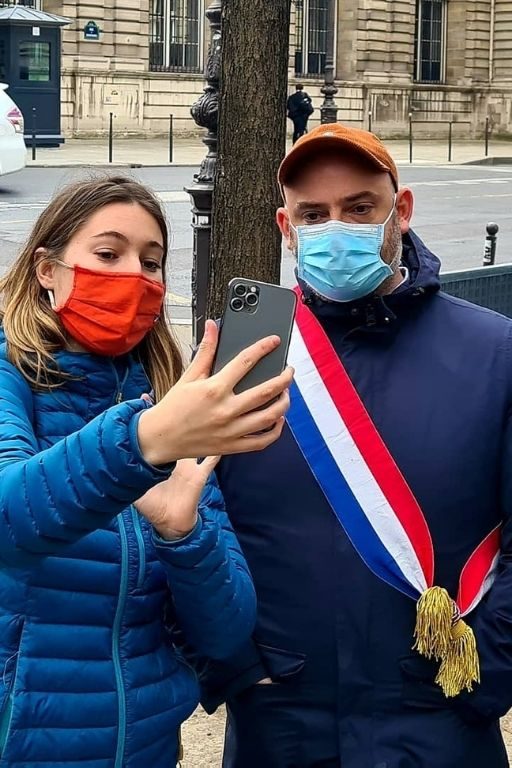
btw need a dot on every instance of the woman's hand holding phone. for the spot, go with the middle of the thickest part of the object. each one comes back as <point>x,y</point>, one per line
<point>202,416</point>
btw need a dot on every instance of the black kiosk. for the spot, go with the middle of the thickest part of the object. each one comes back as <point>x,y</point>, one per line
<point>30,51</point>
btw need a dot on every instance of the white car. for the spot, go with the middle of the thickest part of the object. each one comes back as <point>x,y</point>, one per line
<point>13,153</point>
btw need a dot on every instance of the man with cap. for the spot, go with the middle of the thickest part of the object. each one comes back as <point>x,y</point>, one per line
<point>378,529</point>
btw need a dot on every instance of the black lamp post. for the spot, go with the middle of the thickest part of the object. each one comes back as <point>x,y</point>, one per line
<point>205,113</point>
<point>329,110</point>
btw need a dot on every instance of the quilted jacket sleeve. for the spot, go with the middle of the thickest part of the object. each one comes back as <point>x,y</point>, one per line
<point>212,590</point>
<point>52,497</point>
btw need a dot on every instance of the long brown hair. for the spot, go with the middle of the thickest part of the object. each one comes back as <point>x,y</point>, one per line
<point>32,329</point>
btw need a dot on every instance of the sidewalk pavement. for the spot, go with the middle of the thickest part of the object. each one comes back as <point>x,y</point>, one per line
<point>136,152</point>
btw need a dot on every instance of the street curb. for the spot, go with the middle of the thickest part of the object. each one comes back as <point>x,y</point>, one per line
<point>107,166</point>
<point>490,161</point>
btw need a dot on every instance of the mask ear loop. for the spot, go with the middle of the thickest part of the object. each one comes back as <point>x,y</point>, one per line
<point>51,295</point>
<point>393,209</point>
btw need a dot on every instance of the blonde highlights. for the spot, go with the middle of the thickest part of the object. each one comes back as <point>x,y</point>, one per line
<point>32,329</point>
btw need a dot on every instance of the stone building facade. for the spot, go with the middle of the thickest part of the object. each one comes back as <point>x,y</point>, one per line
<point>437,60</point>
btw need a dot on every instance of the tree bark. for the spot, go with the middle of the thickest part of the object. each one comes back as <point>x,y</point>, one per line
<point>252,140</point>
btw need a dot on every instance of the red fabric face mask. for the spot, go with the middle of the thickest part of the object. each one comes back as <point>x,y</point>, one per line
<point>109,313</point>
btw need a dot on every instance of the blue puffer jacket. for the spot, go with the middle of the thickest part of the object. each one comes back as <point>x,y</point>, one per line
<point>89,675</point>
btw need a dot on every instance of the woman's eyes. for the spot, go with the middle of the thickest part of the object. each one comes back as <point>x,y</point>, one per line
<point>151,266</point>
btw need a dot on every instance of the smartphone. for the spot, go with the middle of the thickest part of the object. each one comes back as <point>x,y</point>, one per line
<point>253,311</point>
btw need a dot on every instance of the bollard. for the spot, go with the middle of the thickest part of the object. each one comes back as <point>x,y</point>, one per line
<point>370,121</point>
<point>171,138</point>
<point>33,133</point>
<point>450,141</point>
<point>410,137</point>
<point>487,131</point>
<point>491,240</point>
<point>110,136</point>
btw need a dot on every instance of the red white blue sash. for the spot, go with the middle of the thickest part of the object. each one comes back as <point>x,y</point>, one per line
<point>360,479</point>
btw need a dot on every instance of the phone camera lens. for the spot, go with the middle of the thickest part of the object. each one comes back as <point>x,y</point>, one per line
<point>252,299</point>
<point>240,290</point>
<point>237,304</point>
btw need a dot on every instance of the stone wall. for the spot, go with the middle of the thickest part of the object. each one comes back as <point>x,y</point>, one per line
<point>375,67</point>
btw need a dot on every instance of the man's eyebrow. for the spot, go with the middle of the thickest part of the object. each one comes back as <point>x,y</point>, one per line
<point>306,205</point>
<point>309,205</point>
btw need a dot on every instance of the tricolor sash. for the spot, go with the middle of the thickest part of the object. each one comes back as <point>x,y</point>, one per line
<point>375,506</point>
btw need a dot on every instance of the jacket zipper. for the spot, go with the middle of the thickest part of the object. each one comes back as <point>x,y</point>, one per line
<point>5,717</point>
<point>140,546</point>
<point>118,398</point>
<point>116,652</point>
<point>6,713</point>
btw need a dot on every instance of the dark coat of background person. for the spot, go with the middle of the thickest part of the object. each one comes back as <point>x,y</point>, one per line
<point>299,109</point>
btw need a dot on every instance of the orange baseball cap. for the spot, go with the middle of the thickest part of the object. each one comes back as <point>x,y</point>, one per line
<point>338,137</point>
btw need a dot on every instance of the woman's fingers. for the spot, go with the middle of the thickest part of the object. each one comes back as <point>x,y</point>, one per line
<point>196,471</point>
<point>259,442</point>
<point>209,464</point>
<point>264,393</point>
<point>236,369</point>
<point>201,365</point>
<point>264,419</point>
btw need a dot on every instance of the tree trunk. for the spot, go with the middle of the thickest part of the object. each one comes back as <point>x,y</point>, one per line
<point>252,140</point>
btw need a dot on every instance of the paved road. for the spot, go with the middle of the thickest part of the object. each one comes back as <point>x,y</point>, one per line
<point>453,204</point>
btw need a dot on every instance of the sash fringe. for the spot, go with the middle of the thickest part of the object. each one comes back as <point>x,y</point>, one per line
<point>442,635</point>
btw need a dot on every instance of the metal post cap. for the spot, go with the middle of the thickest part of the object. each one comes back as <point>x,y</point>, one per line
<point>492,228</point>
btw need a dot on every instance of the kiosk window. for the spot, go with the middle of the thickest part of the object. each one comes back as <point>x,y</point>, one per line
<point>34,61</point>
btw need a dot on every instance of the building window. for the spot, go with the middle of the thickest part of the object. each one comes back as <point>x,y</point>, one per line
<point>176,35</point>
<point>37,4</point>
<point>311,37</point>
<point>430,41</point>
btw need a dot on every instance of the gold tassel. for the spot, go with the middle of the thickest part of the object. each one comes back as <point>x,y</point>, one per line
<point>433,623</point>
<point>460,667</point>
<point>442,635</point>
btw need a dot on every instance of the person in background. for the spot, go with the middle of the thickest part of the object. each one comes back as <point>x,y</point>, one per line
<point>106,554</point>
<point>299,109</point>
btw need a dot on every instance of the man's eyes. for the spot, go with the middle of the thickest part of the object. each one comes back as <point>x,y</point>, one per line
<point>313,217</point>
<point>363,209</point>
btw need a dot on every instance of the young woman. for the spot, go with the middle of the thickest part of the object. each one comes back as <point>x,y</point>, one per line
<point>105,559</point>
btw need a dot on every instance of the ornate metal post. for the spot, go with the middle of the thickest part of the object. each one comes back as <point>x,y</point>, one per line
<point>329,110</point>
<point>205,113</point>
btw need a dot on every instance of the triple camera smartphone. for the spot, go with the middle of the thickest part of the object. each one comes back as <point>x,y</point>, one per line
<point>253,311</point>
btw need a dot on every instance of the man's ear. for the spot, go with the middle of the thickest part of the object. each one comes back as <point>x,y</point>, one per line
<point>404,208</point>
<point>283,222</point>
<point>45,269</point>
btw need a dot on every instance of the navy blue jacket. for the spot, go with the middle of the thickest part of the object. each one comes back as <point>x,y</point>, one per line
<point>90,598</point>
<point>435,374</point>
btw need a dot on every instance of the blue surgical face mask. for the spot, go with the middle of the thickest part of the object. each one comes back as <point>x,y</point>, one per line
<point>342,262</point>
